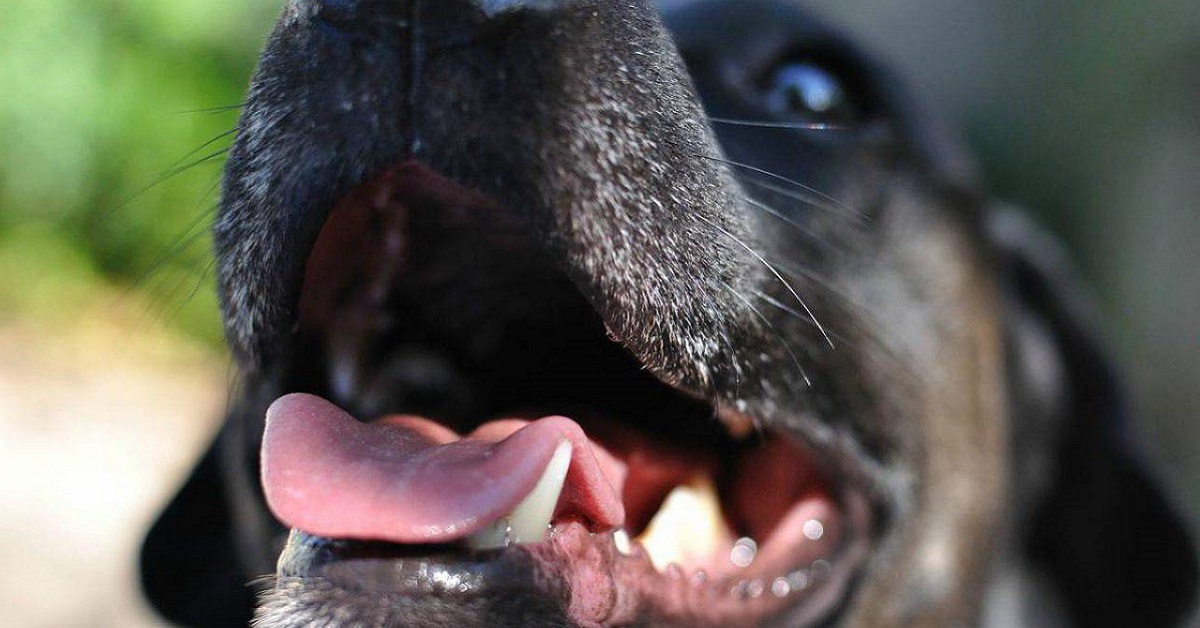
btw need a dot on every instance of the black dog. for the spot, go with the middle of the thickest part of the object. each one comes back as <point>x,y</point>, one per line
<point>751,273</point>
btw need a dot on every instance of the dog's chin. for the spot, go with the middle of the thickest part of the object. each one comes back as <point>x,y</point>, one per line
<point>575,578</point>
<point>474,450</point>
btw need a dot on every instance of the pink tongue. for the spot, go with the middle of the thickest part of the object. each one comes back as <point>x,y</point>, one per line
<point>410,480</point>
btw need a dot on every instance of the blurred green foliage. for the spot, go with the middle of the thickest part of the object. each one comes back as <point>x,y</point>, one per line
<point>101,104</point>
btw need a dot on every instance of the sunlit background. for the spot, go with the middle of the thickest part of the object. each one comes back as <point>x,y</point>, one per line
<point>114,115</point>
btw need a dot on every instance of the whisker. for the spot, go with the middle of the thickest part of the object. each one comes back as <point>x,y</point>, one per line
<point>749,249</point>
<point>160,312</point>
<point>790,310</point>
<point>176,246</point>
<point>830,203</point>
<point>217,109</point>
<point>182,241</point>
<point>193,292</point>
<point>799,196</point>
<point>764,124</point>
<point>774,330</point>
<point>869,323</point>
<point>825,282</point>
<point>166,289</point>
<point>169,174</point>
<point>222,135</point>
<point>804,229</point>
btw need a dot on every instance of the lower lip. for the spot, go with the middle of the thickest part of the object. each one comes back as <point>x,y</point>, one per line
<point>587,573</point>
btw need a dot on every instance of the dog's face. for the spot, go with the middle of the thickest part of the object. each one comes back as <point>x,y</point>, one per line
<point>601,322</point>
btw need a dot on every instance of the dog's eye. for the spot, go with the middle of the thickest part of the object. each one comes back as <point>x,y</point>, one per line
<point>810,92</point>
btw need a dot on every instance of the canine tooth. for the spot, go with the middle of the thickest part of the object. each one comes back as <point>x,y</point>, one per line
<point>495,536</point>
<point>688,528</point>
<point>530,520</point>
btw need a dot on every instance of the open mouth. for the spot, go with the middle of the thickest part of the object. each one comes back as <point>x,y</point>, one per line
<point>468,426</point>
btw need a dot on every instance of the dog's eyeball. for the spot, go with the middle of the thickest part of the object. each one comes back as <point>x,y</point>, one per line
<point>810,92</point>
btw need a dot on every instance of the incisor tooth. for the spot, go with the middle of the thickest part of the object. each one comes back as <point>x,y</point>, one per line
<point>530,520</point>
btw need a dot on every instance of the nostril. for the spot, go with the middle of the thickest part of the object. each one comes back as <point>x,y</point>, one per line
<point>496,7</point>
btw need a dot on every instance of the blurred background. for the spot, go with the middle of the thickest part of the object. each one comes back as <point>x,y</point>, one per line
<point>114,115</point>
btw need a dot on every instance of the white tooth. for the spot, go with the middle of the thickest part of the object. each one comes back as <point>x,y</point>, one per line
<point>688,529</point>
<point>622,542</point>
<point>530,520</point>
<point>495,536</point>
